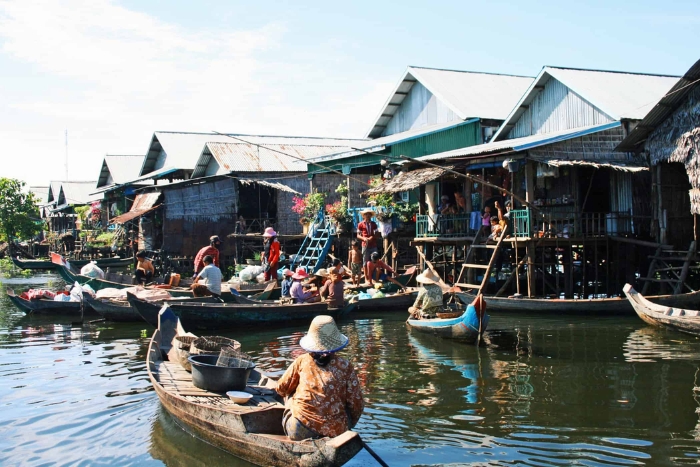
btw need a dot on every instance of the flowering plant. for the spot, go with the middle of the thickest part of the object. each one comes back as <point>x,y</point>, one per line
<point>339,211</point>
<point>308,206</point>
<point>383,201</point>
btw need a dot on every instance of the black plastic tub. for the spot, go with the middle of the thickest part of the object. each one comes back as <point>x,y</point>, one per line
<point>206,375</point>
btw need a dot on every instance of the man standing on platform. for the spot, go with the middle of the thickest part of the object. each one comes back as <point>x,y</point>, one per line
<point>368,233</point>
<point>211,250</point>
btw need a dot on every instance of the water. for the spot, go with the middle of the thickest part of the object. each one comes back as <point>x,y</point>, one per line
<point>545,391</point>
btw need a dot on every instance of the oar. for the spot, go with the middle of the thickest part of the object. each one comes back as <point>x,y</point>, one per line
<point>375,455</point>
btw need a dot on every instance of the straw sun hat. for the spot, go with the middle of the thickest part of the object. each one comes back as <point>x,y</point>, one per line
<point>323,336</point>
<point>367,211</point>
<point>269,232</point>
<point>427,277</point>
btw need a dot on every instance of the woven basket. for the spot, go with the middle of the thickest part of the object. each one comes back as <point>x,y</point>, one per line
<point>212,345</point>
<point>182,350</point>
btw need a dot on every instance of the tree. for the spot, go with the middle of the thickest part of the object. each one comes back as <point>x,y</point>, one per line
<point>18,211</point>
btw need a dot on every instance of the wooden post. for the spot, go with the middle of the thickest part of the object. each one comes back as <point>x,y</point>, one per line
<point>530,252</point>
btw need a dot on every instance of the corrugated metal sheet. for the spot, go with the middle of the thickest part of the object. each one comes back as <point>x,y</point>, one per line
<point>453,138</point>
<point>556,108</point>
<point>54,192</point>
<point>41,193</point>
<point>240,157</point>
<point>143,204</point>
<point>519,144</point>
<point>467,94</point>
<point>183,150</point>
<point>617,95</point>
<point>77,193</point>
<point>420,108</point>
<point>119,169</point>
<point>662,110</point>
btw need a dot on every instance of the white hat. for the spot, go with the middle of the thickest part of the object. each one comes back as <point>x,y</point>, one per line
<point>323,336</point>
<point>365,211</point>
<point>269,232</point>
<point>427,277</point>
<point>321,273</point>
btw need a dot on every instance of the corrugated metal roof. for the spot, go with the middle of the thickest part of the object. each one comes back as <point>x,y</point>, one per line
<point>620,95</point>
<point>77,192</point>
<point>662,110</point>
<point>41,193</point>
<point>245,157</point>
<point>54,191</point>
<point>520,144</point>
<point>379,144</point>
<point>119,168</point>
<point>469,94</point>
<point>183,150</point>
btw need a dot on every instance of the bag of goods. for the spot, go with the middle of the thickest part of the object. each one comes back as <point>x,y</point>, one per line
<point>92,270</point>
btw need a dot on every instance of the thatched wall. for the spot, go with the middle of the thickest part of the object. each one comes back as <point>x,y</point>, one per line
<point>193,213</point>
<point>596,147</point>
<point>677,139</point>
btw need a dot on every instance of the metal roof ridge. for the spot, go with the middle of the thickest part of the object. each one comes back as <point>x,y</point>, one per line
<point>255,136</point>
<point>612,71</point>
<point>470,71</point>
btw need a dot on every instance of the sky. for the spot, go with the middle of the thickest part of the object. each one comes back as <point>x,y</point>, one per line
<point>110,73</point>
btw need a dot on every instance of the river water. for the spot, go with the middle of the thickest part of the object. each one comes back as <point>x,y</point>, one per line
<point>544,391</point>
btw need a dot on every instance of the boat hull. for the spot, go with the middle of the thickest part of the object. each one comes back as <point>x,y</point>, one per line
<point>252,434</point>
<point>464,328</point>
<point>231,315</point>
<point>397,302</point>
<point>607,306</point>
<point>678,319</point>
<point>45,306</point>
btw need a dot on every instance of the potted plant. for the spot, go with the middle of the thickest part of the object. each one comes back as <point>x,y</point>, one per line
<point>384,206</point>
<point>308,207</point>
<point>256,261</point>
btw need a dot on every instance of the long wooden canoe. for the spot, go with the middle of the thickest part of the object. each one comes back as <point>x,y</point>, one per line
<point>115,262</point>
<point>252,431</point>
<point>399,301</point>
<point>46,306</point>
<point>608,306</point>
<point>464,327</point>
<point>122,311</point>
<point>231,315</point>
<point>679,319</point>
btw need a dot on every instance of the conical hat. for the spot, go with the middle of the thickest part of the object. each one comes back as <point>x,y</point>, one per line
<point>323,336</point>
<point>427,277</point>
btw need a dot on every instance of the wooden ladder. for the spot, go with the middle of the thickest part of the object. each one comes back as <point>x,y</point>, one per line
<point>666,263</point>
<point>470,265</point>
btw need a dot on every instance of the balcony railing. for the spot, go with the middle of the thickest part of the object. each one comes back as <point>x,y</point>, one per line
<point>525,223</point>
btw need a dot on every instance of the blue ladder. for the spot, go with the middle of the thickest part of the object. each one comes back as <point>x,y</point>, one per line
<point>316,245</point>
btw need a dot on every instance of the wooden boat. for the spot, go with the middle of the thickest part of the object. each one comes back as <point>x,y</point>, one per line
<point>122,311</point>
<point>223,315</point>
<point>115,262</point>
<point>609,306</point>
<point>252,431</point>
<point>46,306</point>
<point>679,319</point>
<point>399,301</point>
<point>464,327</point>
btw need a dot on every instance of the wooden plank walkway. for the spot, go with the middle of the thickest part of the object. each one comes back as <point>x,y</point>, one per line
<point>177,380</point>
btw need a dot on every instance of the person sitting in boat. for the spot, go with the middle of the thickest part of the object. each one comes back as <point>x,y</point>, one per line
<point>377,270</point>
<point>297,291</point>
<point>429,300</point>
<point>287,282</point>
<point>211,275</point>
<point>144,269</point>
<point>211,250</point>
<point>324,396</point>
<point>317,282</point>
<point>332,290</point>
<point>271,253</point>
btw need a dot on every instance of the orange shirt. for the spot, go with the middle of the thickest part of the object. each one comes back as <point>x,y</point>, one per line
<point>322,397</point>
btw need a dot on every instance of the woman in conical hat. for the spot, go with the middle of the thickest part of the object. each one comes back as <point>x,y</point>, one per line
<point>429,300</point>
<point>324,394</point>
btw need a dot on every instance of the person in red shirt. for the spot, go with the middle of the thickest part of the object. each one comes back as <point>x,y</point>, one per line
<point>368,233</point>
<point>378,270</point>
<point>211,250</point>
<point>271,254</point>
